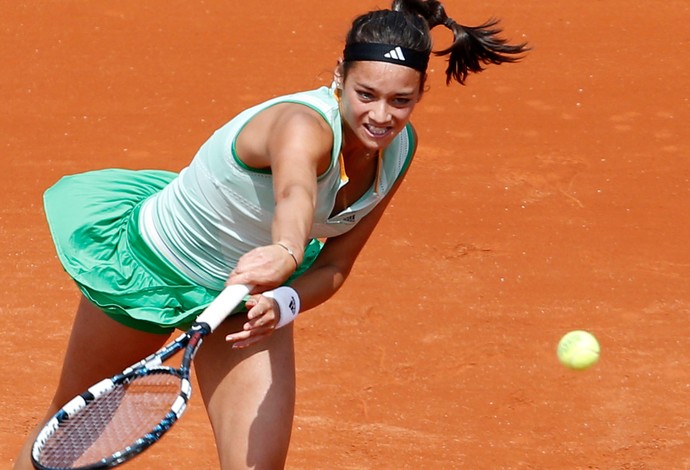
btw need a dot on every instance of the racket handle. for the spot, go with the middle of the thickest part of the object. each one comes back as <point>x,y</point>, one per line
<point>223,305</point>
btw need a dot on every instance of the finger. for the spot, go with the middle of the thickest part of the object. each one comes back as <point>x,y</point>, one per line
<point>248,333</point>
<point>247,338</point>
<point>248,342</point>
<point>256,311</point>
<point>239,336</point>
<point>261,309</point>
<point>263,322</point>
<point>251,303</point>
<point>260,315</point>
<point>256,335</point>
<point>258,284</point>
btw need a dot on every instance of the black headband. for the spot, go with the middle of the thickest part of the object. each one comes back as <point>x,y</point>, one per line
<point>387,53</point>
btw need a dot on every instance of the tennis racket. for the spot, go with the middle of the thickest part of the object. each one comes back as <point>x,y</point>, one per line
<point>120,417</point>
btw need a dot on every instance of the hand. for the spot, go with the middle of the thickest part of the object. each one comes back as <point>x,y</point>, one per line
<point>265,268</point>
<point>262,317</point>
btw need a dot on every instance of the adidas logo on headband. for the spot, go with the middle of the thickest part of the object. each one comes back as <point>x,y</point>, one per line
<point>391,53</point>
<point>396,54</point>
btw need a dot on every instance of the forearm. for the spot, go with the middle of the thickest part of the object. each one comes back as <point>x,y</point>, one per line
<point>266,267</point>
<point>318,284</point>
<point>336,259</point>
<point>292,221</point>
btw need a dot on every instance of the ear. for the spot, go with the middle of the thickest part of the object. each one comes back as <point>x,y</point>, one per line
<point>338,74</point>
<point>422,87</point>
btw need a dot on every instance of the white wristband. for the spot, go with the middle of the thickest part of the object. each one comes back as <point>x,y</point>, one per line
<point>288,303</point>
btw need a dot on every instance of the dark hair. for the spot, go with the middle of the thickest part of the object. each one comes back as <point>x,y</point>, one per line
<point>408,24</point>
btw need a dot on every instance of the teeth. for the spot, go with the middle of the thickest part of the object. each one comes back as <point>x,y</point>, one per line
<point>377,130</point>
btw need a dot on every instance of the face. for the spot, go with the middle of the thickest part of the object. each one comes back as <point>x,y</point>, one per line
<point>377,101</point>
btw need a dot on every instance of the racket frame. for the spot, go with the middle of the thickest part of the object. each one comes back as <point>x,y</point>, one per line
<point>190,341</point>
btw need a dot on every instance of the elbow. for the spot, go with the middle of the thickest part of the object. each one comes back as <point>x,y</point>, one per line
<point>295,192</point>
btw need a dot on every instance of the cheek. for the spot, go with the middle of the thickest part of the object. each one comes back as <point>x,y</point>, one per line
<point>402,115</point>
<point>355,108</point>
<point>352,112</point>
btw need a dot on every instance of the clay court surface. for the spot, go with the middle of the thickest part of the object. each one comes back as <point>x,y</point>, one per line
<point>547,196</point>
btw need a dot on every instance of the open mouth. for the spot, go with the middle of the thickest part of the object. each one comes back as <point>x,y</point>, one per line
<point>376,131</point>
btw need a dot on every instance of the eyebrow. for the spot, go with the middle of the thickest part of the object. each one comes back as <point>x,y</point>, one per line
<point>369,88</point>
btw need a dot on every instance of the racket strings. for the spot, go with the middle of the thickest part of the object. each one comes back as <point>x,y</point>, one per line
<point>112,422</point>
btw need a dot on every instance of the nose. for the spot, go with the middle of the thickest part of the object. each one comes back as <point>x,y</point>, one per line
<point>380,113</point>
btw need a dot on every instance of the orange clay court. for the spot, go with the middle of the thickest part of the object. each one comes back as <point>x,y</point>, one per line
<point>546,196</point>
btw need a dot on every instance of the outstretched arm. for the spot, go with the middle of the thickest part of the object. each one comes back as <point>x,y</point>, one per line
<point>294,142</point>
<point>319,282</point>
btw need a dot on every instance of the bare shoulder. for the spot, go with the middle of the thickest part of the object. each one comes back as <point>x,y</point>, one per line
<point>298,132</point>
<point>299,119</point>
<point>284,128</point>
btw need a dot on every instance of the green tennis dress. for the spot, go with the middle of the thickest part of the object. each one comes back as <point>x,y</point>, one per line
<point>93,218</point>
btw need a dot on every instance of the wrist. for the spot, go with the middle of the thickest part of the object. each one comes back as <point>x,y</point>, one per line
<point>290,252</point>
<point>288,302</point>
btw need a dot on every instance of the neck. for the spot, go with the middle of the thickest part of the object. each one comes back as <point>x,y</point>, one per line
<point>353,150</point>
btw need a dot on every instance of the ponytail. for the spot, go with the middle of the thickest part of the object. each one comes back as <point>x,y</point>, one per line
<point>472,48</point>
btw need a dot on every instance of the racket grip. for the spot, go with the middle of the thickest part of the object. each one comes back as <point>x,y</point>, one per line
<point>223,305</point>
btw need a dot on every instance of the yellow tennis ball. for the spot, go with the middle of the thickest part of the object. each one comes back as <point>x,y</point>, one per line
<point>578,350</point>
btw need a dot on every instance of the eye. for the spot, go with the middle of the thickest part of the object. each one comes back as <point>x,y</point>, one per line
<point>401,101</point>
<point>365,95</point>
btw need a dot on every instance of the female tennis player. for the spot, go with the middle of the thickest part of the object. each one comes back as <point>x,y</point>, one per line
<point>282,198</point>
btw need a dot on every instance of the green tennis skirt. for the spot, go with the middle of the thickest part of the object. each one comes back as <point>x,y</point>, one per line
<point>93,219</point>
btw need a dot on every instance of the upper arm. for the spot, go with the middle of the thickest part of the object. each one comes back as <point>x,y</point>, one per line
<point>291,140</point>
<point>298,148</point>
